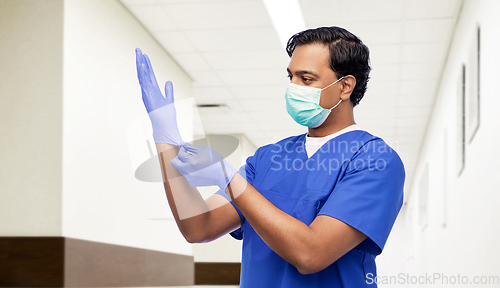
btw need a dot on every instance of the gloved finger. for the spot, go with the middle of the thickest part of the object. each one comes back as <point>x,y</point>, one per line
<point>143,80</point>
<point>151,73</point>
<point>143,76</point>
<point>184,154</point>
<point>191,150</point>
<point>178,164</point>
<point>169,92</point>
<point>139,60</point>
<point>138,57</point>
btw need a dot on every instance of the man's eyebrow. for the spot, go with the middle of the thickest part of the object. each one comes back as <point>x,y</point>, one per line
<point>303,72</point>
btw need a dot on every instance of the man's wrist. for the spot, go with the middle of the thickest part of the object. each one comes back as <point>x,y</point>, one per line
<point>236,186</point>
<point>168,148</point>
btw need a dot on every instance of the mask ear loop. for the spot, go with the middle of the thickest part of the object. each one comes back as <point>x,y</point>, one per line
<point>335,105</point>
<point>331,85</point>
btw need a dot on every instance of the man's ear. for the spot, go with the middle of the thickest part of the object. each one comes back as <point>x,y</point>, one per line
<point>348,84</point>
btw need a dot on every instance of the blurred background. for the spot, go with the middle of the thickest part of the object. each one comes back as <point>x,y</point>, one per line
<point>74,131</point>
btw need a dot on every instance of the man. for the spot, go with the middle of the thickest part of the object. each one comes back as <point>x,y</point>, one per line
<point>313,210</point>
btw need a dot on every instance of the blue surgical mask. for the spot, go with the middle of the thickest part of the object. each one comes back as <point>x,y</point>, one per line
<point>302,103</point>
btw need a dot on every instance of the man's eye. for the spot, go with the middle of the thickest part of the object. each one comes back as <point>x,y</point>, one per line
<point>289,77</point>
<point>306,79</point>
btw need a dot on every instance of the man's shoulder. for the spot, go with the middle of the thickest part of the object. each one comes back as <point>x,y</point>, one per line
<point>364,139</point>
<point>377,148</point>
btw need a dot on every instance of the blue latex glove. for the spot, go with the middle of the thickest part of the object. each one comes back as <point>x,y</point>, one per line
<point>203,166</point>
<point>161,109</point>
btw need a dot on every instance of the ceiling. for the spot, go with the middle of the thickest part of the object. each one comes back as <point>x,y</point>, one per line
<point>232,51</point>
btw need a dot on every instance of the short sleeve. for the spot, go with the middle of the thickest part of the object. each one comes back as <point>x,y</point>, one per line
<point>247,171</point>
<point>370,194</point>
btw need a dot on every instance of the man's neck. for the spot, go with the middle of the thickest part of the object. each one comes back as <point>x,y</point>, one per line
<point>333,124</point>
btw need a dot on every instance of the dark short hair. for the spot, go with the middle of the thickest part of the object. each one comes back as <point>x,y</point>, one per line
<point>348,54</point>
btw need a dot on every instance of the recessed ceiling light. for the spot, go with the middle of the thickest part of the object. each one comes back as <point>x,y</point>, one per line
<point>287,18</point>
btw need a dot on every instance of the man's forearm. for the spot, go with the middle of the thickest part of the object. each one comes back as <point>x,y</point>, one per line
<point>187,205</point>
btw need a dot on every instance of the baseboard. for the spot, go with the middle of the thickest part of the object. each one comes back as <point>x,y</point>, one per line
<point>69,262</point>
<point>216,273</point>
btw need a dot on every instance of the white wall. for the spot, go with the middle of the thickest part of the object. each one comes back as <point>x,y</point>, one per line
<point>461,236</point>
<point>102,201</point>
<point>30,117</point>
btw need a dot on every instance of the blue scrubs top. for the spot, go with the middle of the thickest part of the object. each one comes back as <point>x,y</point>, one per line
<point>355,177</point>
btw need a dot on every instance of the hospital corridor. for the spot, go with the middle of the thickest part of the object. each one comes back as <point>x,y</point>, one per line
<point>249,143</point>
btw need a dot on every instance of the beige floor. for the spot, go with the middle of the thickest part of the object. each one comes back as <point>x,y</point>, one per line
<point>204,286</point>
<point>199,286</point>
<point>196,286</point>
